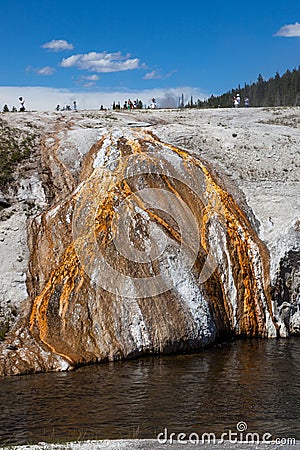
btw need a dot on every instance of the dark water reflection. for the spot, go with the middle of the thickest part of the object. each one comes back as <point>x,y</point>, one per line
<point>253,381</point>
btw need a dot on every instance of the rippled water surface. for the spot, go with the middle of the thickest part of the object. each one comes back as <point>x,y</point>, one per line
<point>257,382</point>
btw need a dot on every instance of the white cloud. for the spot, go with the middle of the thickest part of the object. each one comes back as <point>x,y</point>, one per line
<point>89,85</point>
<point>101,62</point>
<point>46,99</point>
<point>45,71</point>
<point>91,77</point>
<point>88,81</point>
<point>58,45</point>
<point>292,30</point>
<point>152,75</point>
<point>168,75</point>
<point>156,75</point>
<point>70,61</point>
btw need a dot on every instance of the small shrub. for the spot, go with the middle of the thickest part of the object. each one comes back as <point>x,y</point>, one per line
<point>15,146</point>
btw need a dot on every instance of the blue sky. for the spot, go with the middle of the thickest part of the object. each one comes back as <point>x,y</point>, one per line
<point>99,50</point>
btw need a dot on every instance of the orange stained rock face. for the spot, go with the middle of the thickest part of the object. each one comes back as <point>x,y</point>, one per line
<point>66,275</point>
<point>137,235</point>
<point>241,237</point>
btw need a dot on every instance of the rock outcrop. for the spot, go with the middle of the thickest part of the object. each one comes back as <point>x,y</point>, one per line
<point>148,254</point>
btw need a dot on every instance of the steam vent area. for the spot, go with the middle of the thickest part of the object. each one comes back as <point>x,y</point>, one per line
<point>124,234</point>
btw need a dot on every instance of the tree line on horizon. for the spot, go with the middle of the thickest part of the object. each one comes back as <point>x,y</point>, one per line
<point>277,91</point>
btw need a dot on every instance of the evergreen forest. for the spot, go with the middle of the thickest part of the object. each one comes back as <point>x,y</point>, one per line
<point>277,91</point>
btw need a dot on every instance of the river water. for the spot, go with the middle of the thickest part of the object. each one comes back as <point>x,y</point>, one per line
<point>255,381</point>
